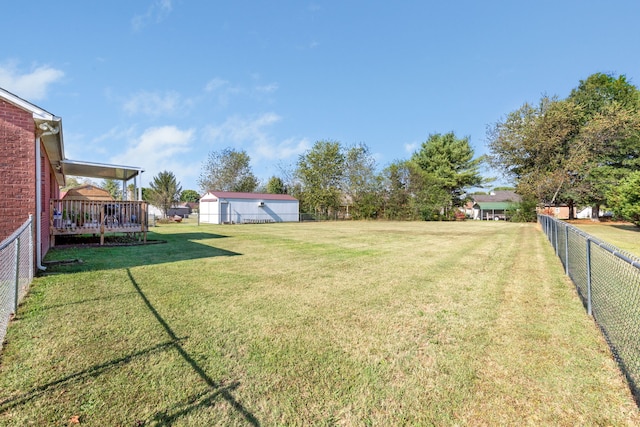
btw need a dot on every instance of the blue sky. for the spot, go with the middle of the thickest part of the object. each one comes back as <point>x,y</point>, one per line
<point>161,83</point>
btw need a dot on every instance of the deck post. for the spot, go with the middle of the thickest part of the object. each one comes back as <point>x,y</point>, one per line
<point>52,236</point>
<point>101,226</point>
<point>144,221</point>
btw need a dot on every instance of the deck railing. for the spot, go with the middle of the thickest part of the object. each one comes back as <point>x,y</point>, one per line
<point>70,217</point>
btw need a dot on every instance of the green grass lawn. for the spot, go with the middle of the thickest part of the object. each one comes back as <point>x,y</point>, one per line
<point>349,323</point>
<point>625,236</point>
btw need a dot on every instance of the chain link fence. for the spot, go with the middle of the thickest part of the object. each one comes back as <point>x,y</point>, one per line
<point>608,282</point>
<point>16,272</point>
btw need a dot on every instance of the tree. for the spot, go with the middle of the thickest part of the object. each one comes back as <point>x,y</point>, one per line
<point>450,161</point>
<point>410,193</point>
<point>113,187</point>
<point>228,170</point>
<point>573,150</point>
<point>624,199</point>
<point>71,182</point>
<point>608,146</point>
<point>275,185</point>
<point>165,191</point>
<point>397,193</point>
<point>532,146</point>
<point>598,90</point>
<point>189,196</point>
<point>146,194</point>
<point>320,171</point>
<point>524,211</point>
<point>360,183</point>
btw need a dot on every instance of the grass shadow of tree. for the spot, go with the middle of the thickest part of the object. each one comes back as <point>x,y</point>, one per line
<point>215,391</point>
<point>93,371</point>
<point>175,247</point>
<point>627,227</point>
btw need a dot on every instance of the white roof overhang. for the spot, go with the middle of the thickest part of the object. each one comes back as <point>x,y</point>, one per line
<point>99,170</point>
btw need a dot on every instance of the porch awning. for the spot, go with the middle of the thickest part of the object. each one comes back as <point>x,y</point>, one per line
<point>495,206</point>
<point>99,170</point>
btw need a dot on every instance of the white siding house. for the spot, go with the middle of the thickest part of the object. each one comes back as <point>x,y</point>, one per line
<point>222,207</point>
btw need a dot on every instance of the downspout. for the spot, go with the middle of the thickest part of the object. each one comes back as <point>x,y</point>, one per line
<point>48,130</point>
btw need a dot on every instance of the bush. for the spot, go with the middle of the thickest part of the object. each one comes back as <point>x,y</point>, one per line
<point>525,211</point>
<point>624,199</point>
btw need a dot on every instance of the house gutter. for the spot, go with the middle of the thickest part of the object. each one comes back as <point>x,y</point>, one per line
<point>48,130</point>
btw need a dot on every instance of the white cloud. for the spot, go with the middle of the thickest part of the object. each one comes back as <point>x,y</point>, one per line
<point>32,86</point>
<point>156,13</point>
<point>215,84</point>
<point>156,149</point>
<point>411,147</point>
<point>252,134</point>
<point>238,130</point>
<point>222,90</point>
<point>101,145</point>
<point>284,150</point>
<point>154,104</point>
<point>270,88</point>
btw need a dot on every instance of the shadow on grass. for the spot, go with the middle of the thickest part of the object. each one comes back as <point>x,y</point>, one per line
<point>176,247</point>
<point>215,391</point>
<point>93,371</point>
<point>124,295</point>
<point>627,227</point>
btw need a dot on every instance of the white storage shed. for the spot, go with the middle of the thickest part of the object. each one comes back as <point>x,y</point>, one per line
<point>223,207</point>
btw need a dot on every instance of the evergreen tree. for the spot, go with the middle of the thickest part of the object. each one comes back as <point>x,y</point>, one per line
<point>165,191</point>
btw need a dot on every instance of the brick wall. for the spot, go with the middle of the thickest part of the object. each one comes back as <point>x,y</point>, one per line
<point>17,168</point>
<point>49,191</point>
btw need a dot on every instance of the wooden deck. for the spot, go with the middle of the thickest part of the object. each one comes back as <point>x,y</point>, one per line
<point>76,217</point>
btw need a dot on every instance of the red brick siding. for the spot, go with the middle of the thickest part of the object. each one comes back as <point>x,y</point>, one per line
<point>48,184</point>
<point>17,167</point>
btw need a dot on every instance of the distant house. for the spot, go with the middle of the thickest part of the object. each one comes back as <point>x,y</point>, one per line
<point>559,210</point>
<point>221,207</point>
<point>182,210</point>
<point>193,206</point>
<point>86,192</point>
<point>562,210</point>
<point>493,206</point>
<point>586,213</point>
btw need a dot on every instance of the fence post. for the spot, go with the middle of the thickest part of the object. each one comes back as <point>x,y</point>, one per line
<point>30,247</point>
<point>555,237</point>
<point>547,228</point>
<point>566,251</point>
<point>17,274</point>
<point>589,312</point>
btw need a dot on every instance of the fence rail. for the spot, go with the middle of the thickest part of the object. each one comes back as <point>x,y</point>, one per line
<point>608,282</point>
<point>16,272</point>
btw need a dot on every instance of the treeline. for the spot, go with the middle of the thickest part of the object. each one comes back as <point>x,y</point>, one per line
<point>336,179</point>
<point>583,150</point>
